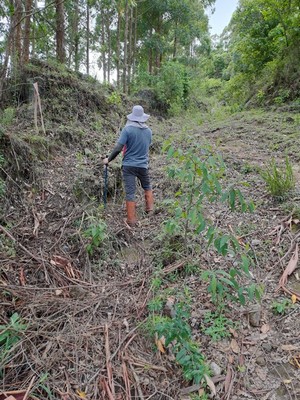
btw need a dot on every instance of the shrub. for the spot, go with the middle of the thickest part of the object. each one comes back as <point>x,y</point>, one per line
<point>279,179</point>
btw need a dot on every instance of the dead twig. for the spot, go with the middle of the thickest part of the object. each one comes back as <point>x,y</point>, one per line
<point>137,381</point>
<point>29,388</point>
<point>8,234</point>
<point>144,364</point>
<point>122,342</point>
<point>106,389</point>
<point>126,381</point>
<point>173,267</point>
<point>108,362</point>
<point>229,381</point>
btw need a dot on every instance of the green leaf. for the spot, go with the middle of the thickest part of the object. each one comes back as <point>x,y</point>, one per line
<point>232,196</point>
<point>200,228</point>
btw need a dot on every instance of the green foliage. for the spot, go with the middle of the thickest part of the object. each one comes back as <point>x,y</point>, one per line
<point>156,304</point>
<point>10,335</point>
<point>203,396</point>
<point>224,286</point>
<point>172,86</point>
<point>114,98</point>
<point>42,386</point>
<point>96,234</point>
<point>7,246</point>
<point>176,332</point>
<point>282,307</point>
<point>198,172</point>
<point>7,116</point>
<point>217,326</point>
<point>263,37</point>
<point>279,179</point>
<point>283,96</point>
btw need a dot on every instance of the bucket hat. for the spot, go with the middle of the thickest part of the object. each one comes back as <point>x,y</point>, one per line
<point>138,114</point>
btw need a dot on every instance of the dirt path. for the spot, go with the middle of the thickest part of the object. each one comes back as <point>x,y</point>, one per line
<point>85,314</point>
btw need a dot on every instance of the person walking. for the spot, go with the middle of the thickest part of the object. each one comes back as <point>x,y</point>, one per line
<point>134,141</point>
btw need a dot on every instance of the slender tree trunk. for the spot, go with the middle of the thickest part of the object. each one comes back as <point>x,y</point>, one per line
<point>125,56</point>
<point>8,51</point>
<point>175,42</point>
<point>60,31</point>
<point>87,38</point>
<point>103,45</point>
<point>118,52</point>
<point>157,50</point>
<point>17,31</point>
<point>33,33</point>
<point>26,42</point>
<point>108,21</point>
<point>130,48</point>
<point>150,62</point>
<point>134,43</point>
<point>75,32</point>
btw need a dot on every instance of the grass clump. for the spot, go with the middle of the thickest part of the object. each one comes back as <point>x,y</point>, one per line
<point>279,179</point>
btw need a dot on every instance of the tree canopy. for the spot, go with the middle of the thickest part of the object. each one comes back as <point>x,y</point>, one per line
<point>143,43</point>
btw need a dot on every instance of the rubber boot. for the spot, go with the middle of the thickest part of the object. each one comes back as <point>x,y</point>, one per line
<point>131,216</point>
<point>149,201</point>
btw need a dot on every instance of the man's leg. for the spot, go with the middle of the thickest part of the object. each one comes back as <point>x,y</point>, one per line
<point>129,184</point>
<point>143,176</point>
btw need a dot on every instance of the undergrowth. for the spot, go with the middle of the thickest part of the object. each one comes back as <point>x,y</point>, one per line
<point>173,334</point>
<point>279,178</point>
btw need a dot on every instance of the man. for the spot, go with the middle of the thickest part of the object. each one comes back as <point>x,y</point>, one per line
<point>135,140</point>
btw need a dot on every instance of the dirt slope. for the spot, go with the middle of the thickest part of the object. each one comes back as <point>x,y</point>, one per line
<point>85,335</point>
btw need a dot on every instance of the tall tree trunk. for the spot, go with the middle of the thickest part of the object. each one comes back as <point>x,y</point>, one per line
<point>157,50</point>
<point>87,38</point>
<point>125,55</point>
<point>103,45</point>
<point>17,30</point>
<point>33,33</point>
<point>118,52</point>
<point>75,33</point>
<point>8,51</point>
<point>150,62</point>
<point>175,42</point>
<point>108,46</point>
<point>60,31</point>
<point>130,47</point>
<point>134,43</point>
<point>26,42</point>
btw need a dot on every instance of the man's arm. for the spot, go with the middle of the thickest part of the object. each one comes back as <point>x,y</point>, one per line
<point>116,150</point>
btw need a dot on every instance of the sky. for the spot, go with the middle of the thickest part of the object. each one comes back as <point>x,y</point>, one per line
<point>222,15</point>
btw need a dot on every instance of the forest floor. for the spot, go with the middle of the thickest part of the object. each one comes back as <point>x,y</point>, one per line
<point>79,322</point>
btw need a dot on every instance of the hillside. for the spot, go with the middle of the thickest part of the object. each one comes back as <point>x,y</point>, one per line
<point>93,324</point>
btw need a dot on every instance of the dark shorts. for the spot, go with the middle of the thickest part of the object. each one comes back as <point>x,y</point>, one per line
<point>129,177</point>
